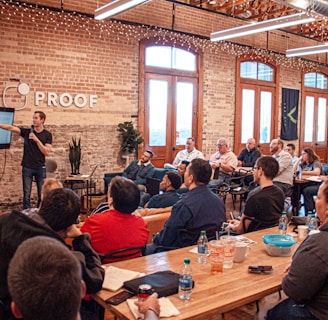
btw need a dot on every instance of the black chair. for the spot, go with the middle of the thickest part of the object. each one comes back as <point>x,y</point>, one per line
<point>237,188</point>
<point>222,191</point>
<point>124,253</point>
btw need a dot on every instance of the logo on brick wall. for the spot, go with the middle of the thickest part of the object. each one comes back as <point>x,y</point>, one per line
<point>17,96</point>
<point>22,89</point>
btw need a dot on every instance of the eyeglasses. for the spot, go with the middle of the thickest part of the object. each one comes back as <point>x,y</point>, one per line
<point>221,145</point>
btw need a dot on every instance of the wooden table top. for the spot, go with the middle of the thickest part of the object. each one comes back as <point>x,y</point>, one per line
<point>213,294</point>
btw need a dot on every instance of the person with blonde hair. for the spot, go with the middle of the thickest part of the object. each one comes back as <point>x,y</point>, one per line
<point>48,185</point>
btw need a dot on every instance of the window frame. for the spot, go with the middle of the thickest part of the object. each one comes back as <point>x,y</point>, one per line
<point>246,83</point>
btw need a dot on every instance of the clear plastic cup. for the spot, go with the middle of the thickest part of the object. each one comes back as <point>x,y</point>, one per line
<point>229,243</point>
<point>216,250</point>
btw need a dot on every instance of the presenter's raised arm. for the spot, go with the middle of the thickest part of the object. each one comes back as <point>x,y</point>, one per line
<point>10,128</point>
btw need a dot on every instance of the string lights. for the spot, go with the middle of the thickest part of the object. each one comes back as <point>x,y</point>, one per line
<point>45,19</point>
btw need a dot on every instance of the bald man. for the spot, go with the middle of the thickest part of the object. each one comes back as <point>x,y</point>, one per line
<point>249,155</point>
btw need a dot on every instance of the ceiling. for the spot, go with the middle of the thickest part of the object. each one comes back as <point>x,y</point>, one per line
<point>259,10</point>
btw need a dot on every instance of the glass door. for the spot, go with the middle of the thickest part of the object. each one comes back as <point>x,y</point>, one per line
<point>170,115</point>
<point>314,133</point>
<point>256,116</point>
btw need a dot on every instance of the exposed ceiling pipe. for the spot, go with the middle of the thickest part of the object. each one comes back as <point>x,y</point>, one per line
<point>317,6</point>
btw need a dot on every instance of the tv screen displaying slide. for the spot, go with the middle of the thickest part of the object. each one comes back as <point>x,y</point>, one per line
<point>6,117</point>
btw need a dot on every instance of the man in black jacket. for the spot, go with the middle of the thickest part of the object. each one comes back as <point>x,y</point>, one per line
<point>56,219</point>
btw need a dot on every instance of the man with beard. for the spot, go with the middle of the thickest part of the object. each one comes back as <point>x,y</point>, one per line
<point>139,170</point>
<point>265,203</point>
<point>284,178</point>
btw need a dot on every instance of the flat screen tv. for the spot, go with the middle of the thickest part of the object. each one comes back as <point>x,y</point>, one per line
<point>6,117</point>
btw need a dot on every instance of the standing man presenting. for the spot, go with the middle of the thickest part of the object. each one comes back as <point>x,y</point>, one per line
<point>37,145</point>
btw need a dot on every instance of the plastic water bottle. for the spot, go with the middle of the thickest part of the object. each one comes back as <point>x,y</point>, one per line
<point>308,219</point>
<point>202,244</point>
<point>313,223</point>
<point>283,222</point>
<point>185,281</point>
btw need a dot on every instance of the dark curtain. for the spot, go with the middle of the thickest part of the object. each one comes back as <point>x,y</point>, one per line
<point>289,114</point>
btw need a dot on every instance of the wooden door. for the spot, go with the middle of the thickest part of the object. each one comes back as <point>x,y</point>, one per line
<point>255,116</point>
<point>314,124</point>
<point>170,115</point>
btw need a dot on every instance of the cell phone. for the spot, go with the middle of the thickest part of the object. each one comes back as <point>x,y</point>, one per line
<point>260,269</point>
<point>119,298</point>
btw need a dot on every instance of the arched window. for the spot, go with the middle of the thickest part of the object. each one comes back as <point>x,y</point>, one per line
<point>314,113</point>
<point>168,99</point>
<point>255,104</point>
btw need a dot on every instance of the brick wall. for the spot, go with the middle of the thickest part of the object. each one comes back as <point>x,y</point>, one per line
<point>57,52</point>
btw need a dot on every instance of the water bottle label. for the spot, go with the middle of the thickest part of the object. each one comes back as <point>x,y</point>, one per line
<point>185,282</point>
<point>202,248</point>
<point>282,226</point>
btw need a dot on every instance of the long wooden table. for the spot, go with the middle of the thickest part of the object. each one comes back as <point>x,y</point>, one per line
<point>213,294</point>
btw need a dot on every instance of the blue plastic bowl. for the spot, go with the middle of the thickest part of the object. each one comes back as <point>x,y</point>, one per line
<point>279,245</point>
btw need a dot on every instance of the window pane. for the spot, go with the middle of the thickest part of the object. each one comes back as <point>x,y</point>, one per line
<point>169,57</point>
<point>265,116</point>
<point>158,92</point>
<point>158,57</point>
<point>183,60</point>
<point>247,121</point>
<point>248,70</point>
<point>184,111</point>
<point>321,81</point>
<point>308,123</point>
<point>310,79</point>
<point>322,107</point>
<point>265,72</point>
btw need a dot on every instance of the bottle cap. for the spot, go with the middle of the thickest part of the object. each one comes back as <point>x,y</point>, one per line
<point>186,260</point>
<point>203,232</point>
<point>284,212</point>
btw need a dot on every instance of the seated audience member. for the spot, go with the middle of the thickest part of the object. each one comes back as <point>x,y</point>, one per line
<point>188,154</point>
<point>48,185</point>
<point>290,148</point>
<point>285,176</point>
<point>150,307</point>
<point>44,280</point>
<point>306,283</point>
<point>199,207</point>
<point>182,166</point>
<point>118,228</point>
<point>170,184</point>
<point>264,203</point>
<point>309,164</point>
<point>224,162</point>
<point>139,170</point>
<point>56,219</point>
<point>249,155</point>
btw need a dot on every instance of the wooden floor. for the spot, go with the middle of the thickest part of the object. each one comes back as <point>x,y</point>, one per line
<point>247,312</point>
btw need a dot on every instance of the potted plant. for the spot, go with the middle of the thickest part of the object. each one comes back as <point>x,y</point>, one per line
<point>75,155</point>
<point>130,137</point>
